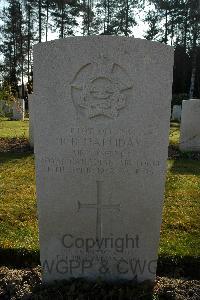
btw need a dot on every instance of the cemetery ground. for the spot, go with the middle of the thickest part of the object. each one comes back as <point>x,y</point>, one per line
<point>179,252</point>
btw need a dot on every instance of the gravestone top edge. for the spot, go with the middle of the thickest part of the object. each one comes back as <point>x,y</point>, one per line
<point>103,37</point>
<point>189,101</point>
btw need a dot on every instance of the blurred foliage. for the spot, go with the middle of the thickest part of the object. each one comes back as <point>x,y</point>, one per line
<point>7,97</point>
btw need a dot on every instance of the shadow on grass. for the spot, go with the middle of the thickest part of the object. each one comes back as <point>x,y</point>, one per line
<point>179,266</point>
<point>19,258</point>
<point>174,153</point>
<point>185,167</point>
<point>83,289</point>
<point>10,156</point>
<point>168,266</point>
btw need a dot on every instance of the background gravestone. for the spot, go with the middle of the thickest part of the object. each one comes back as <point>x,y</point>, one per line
<point>5,108</point>
<point>176,113</point>
<point>190,125</point>
<point>18,109</point>
<point>31,119</point>
<point>102,110</point>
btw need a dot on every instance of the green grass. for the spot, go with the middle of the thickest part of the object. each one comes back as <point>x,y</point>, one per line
<point>174,135</point>
<point>18,222</point>
<point>12,129</point>
<point>181,224</point>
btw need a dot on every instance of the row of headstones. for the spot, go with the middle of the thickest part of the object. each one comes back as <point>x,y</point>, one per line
<point>189,116</point>
<point>16,110</point>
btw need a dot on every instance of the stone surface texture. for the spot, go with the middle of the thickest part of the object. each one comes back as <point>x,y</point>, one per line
<point>102,111</point>
<point>190,125</point>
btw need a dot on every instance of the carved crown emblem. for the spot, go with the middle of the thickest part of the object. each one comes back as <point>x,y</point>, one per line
<point>98,88</point>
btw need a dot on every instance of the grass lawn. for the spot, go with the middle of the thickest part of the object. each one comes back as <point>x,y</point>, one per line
<point>12,129</point>
<point>174,133</point>
<point>180,230</point>
<point>18,219</point>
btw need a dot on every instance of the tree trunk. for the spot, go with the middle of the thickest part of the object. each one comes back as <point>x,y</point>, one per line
<point>126,16</point>
<point>21,55</point>
<point>108,16</point>
<point>172,31</point>
<point>88,17</point>
<point>14,47</point>
<point>62,20</point>
<point>193,76</point>
<point>185,29</point>
<point>105,25</point>
<point>166,26</point>
<point>47,19</point>
<point>29,37</point>
<point>40,20</point>
<point>10,64</point>
<point>194,61</point>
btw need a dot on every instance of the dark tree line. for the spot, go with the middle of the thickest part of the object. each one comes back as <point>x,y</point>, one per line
<point>177,22</point>
<point>25,22</point>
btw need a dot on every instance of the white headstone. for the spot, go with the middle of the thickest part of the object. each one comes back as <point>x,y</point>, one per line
<point>18,109</point>
<point>2,103</point>
<point>31,119</point>
<point>4,108</point>
<point>101,137</point>
<point>176,113</point>
<point>190,125</point>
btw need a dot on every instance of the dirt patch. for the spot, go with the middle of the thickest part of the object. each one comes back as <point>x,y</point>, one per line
<point>26,284</point>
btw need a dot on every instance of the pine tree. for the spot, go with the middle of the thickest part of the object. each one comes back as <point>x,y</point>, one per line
<point>47,7</point>
<point>177,16</point>
<point>105,10</point>
<point>152,18</point>
<point>125,16</point>
<point>195,18</point>
<point>88,24</point>
<point>29,10</point>
<point>12,45</point>
<point>64,17</point>
<point>181,19</point>
<point>40,19</point>
<point>116,17</point>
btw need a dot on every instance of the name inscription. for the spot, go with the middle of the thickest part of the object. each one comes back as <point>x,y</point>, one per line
<point>98,152</point>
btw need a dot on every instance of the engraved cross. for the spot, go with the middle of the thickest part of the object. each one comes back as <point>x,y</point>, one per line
<point>99,206</point>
